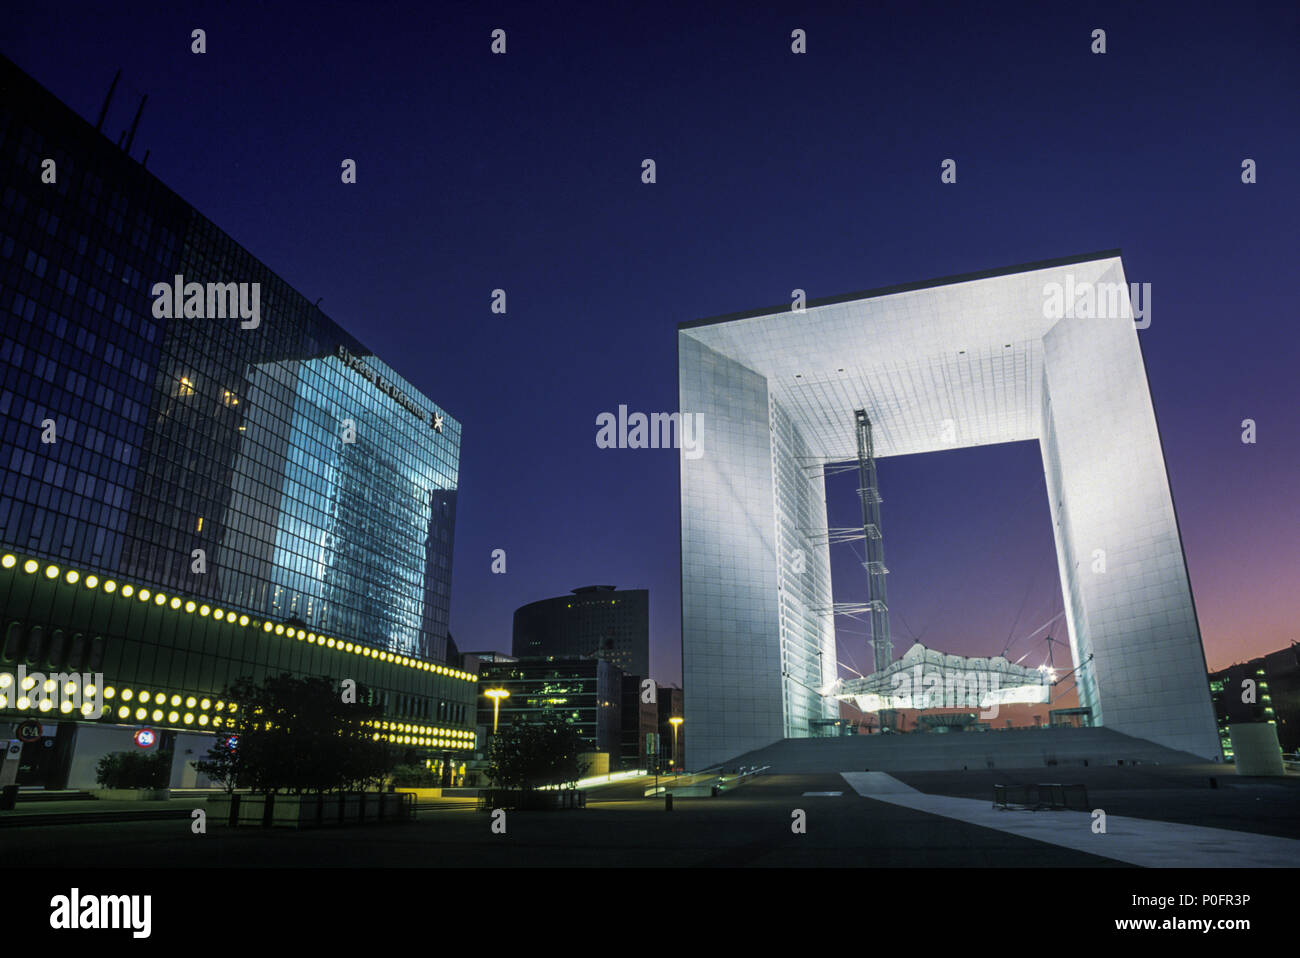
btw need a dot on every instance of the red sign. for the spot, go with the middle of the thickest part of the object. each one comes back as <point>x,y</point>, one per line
<point>145,737</point>
<point>29,731</point>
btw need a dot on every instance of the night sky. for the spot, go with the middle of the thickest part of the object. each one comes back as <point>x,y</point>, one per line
<point>775,171</point>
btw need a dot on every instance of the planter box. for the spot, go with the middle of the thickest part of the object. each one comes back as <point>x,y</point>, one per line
<point>132,794</point>
<point>533,799</point>
<point>219,809</point>
<point>252,809</point>
<point>350,808</point>
<point>294,811</point>
<point>307,811</point>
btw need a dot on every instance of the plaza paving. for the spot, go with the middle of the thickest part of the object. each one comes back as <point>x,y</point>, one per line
<point>946,822</point>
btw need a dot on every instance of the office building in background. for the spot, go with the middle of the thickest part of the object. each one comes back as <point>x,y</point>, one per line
<point>600,620</point>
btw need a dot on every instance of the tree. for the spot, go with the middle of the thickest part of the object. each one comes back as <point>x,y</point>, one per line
<point>222,764</point>
<point>297,735</point>
<point>134,770</point>
<point>528,755</point>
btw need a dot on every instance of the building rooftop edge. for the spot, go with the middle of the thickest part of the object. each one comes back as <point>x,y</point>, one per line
<point>905,288</point>
<point>9,63</point>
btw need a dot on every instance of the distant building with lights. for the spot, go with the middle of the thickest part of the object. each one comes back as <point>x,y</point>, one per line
<point>585,693</point>
<point>596,620</point>
<point>1265,689</point>
<point>186,501</point>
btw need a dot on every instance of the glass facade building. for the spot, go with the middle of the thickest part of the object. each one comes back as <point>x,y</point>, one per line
<point>965,361</point>
<point>152,435</point>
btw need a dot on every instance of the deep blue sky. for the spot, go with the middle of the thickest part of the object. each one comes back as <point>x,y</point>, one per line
<point>775,171</point>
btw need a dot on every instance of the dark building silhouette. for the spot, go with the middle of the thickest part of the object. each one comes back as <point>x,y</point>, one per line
<point>670,706</point>
<point>1273,682</point>
<point>596,620</point>
<point>640,737</point>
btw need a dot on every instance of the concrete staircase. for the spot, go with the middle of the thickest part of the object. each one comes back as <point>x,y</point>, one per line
<point>1013,748</point>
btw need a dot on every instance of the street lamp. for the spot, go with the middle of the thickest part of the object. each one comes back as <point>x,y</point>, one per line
<point>675,721</point>
<point>496,695</point>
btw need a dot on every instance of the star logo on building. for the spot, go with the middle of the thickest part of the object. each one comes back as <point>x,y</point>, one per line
<point>437,423</point>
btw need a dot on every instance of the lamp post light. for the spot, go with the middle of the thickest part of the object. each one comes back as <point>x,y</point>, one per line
<point>496,695</point>
<point>675,721</point>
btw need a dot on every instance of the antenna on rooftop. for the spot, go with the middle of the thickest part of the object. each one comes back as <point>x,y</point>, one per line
<point>136,122</point>
<point>103,110</point>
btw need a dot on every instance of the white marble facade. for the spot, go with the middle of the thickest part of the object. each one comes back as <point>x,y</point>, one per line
<point>962,362</point>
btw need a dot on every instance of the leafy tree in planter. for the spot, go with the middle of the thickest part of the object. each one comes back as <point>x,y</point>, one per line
<point>222,764</point>
<point>134,770</point>
<point>528,755</point>
<point>297,735</point>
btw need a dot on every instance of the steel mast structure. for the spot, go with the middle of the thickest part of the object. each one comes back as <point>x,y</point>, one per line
<point>869,493</point>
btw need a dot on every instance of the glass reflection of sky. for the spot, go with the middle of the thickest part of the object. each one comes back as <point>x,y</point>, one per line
<point>356,522</point>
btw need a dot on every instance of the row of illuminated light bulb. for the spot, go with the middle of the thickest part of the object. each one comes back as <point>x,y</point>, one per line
<point>170,710</point>
<point>402,733</point>
<point>72,577</point>
<point>357,649</point>
<point>22,701</point>
<point>142,698</point>
<point>409,734</point>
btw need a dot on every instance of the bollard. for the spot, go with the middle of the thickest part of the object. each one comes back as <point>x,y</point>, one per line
<point>668,801</point>
<point>1214,783</point>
